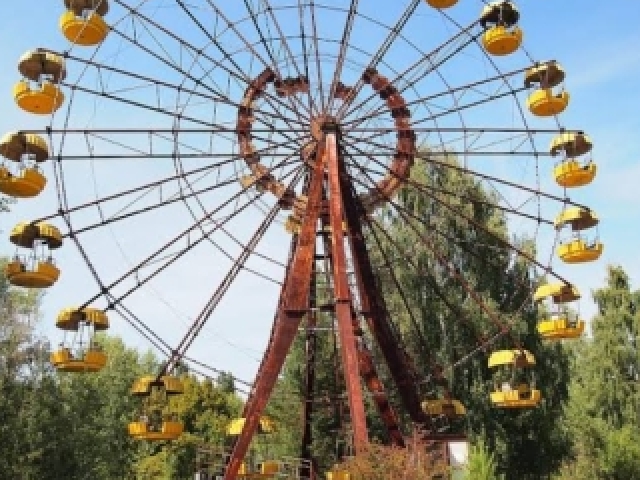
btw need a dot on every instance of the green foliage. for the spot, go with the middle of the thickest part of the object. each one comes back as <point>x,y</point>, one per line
<point>621,455</point>
<point>482,464</point>
<point>5,202</point>
<point>286,404</point>
<point>454,218</point>
<point>206,410</point>
<point>99,408</point>
<point>75,425</point>
<point>226,382</point>
<point>604,411</point>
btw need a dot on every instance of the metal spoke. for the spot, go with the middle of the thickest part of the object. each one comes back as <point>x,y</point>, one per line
<point>433,66</point>
<point>385,111</point>
<point>158,254</point>
<point>380,53</point>
<point>344,46</point>
<point>460,214</point>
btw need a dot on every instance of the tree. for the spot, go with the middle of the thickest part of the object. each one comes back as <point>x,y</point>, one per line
<point>73,425</point>
<point>285,405</point>
<point>433,236</point>
<point>379,462</point>
<point>28,394</point>
<point>482,464</point>
<point>99,408</point>
<point>206,411</point>
<point>226,382</point>
<point>604,410</point>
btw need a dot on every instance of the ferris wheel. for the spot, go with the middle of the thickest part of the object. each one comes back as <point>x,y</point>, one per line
<point>192,144</point>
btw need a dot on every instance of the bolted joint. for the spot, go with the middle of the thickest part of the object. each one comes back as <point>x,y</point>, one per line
<point>330,125</point>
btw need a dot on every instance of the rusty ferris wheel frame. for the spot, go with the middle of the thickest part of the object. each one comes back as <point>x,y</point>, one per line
<point>331,137</point>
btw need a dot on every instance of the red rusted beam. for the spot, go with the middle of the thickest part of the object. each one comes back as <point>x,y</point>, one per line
<point>293,302</point>
<point>374,308</point>
<point>369,373</point>
<point>308,470</point>
<point>342,296</point>
<point>380,398</point>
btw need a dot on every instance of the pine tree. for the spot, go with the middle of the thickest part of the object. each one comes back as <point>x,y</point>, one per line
<point>604,413</point>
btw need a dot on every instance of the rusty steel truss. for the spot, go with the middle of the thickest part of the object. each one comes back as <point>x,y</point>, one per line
<point>332,203</point>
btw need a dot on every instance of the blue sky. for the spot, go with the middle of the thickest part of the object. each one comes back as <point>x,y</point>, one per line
<point>602,64</point>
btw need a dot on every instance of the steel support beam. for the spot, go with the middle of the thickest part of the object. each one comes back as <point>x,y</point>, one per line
<point>374,307</point>
<point>293,303</point>
<point>376,388</point>
<point>309,380</point>
<point>342,295</point>
<point>370,375</point>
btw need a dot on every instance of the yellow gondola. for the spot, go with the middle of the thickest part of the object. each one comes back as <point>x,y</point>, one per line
<point>248,181</point>
<point>327,228</point>
<point>267,468</point>
<point>293,225</point>
<point>16,145</point>
<point>93,360</point>
<point>514,390</point>
<point>543,101</point>
<point>70,319</point>
<point>22,272</point>
<point>45,69</point>
<point>156,421</point>
<point>577,249</point>
<point>27,150</point>
<point>502,36</point>
<point>571,172</point>
<point>143,387</point>
<point>578,218</point>
<point>337,474</point>
<point>83,22</point>
<point>573,144</point>
<point>264,181</point>
<point>27,183</point>
<point>561,326</point>
<point>82,353</point>
<point>37,269</point>
<point>500,40</point>
<point>265,426</point>
<point>450,408</point>
<point>560,323</point>
<point>441,3</point>
<point>558,292</point>
<point>546,103</point>
<point>167,428</point>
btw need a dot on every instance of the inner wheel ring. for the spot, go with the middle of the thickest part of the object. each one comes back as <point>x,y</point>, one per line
<point>260,177</point>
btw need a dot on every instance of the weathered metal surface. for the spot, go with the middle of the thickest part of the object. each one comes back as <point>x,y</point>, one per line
<point>374,308</point>
<point>310,378</point>
<point>295,295</point>
<point>380,398</point>
<point>369,373</point>
<point>342,295</point>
